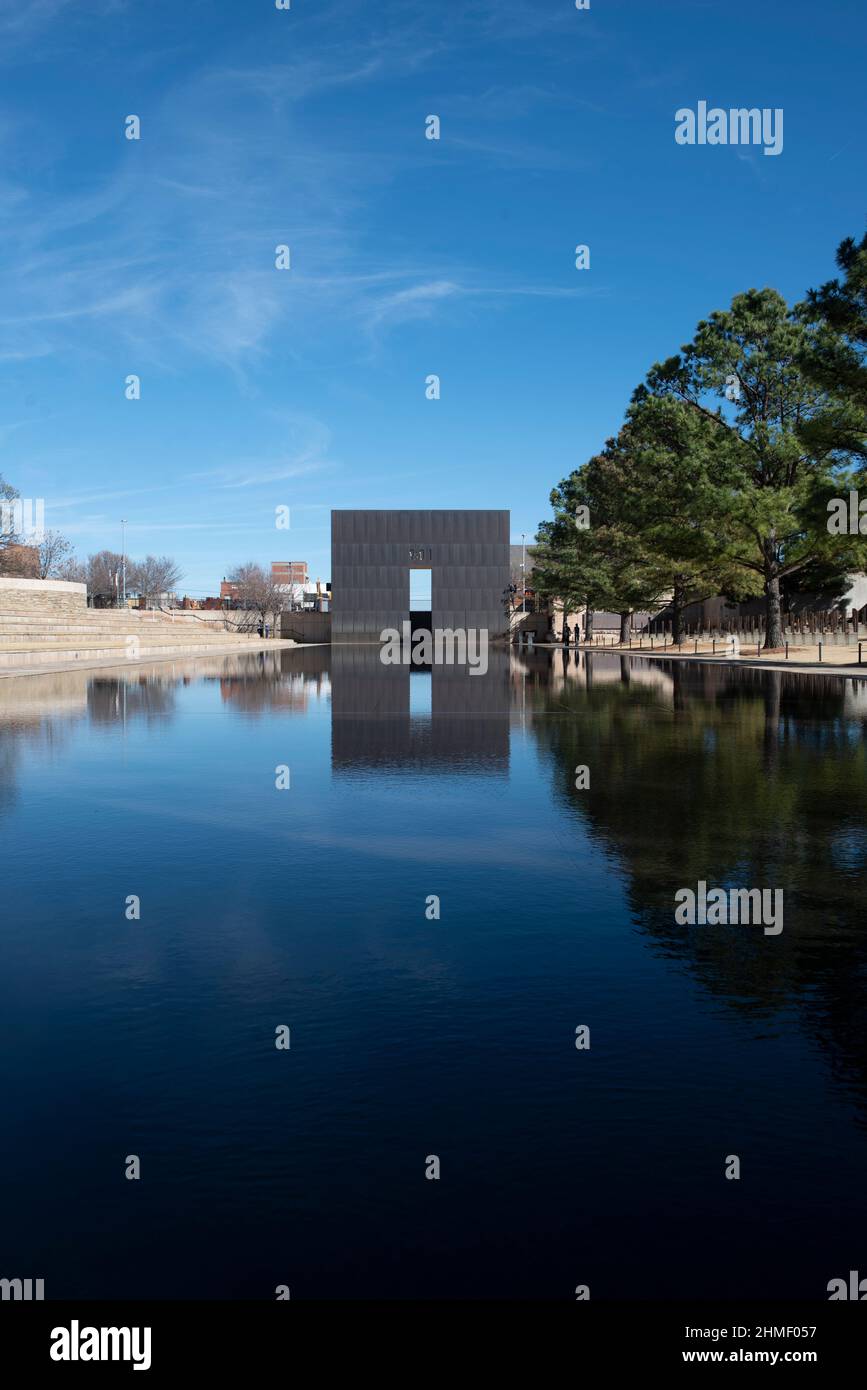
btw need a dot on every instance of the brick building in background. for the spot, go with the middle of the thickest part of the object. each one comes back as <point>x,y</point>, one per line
<point>289,573</point>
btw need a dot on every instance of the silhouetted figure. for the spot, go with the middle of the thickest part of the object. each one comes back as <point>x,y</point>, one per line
<point>566,634</point>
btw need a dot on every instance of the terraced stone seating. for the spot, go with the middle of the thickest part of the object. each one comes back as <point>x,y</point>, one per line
<point>37,639</point>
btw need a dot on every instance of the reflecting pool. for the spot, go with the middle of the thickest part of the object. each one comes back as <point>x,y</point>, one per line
<point>419,1027</point>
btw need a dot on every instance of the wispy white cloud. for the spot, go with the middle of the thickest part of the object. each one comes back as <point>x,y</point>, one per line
<point>87,499</point>
<point>305,448</point>
<point>254,474</point>
<point>23,21</point>
<point>415,301</point>
<point>19,21</point>
<point>171,256</point>
<point>422,300</point>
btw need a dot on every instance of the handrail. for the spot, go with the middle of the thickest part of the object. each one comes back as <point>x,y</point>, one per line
<point>210,622</point>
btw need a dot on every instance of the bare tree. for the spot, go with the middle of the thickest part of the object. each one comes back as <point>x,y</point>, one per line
<point>258,593</point>
<point>153,576</point>
<point>72,569</point>
<point>55,551</point>
<point>8,494</point>
<point>104,571</point>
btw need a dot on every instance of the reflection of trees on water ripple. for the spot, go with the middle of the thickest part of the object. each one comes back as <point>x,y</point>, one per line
<point>739,779</point>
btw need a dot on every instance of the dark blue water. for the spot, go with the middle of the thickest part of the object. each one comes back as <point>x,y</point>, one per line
<point>413,1037</point>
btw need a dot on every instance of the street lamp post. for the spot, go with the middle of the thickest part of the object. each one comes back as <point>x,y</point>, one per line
<point>523,575</point>
<point>123,559</point>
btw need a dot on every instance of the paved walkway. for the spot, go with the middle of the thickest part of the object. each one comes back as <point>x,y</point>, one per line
<point>836,661</point>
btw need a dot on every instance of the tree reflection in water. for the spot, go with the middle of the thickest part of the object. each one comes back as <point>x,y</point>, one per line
<point>738,778</point>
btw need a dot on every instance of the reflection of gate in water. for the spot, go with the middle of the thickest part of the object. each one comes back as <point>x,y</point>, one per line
<point>372,720</point>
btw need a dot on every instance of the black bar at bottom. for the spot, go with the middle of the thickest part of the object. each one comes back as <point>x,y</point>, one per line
<point>260,1340</point>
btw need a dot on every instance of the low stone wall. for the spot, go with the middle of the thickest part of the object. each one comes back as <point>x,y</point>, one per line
<point>48,596</point>
<point>306,627</point>
<point>526,624</point>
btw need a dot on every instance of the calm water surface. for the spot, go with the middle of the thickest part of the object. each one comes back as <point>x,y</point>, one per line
<point>412,1037</point>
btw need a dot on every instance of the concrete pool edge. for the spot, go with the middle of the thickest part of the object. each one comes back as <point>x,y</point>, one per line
<point>806,668</point>
<point>190,653</point>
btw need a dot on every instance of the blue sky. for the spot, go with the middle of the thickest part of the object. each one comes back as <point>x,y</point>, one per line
<point>306,388</point>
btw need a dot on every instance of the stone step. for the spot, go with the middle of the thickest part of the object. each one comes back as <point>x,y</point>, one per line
<point>42,629</point>
<point>133,614</point>
<point>21,657</point>
<point>118,639</point>
<point>76,632</point>
<point>89,618</point>
<point>51,639</point>
<point>58,649</point>
<point>40,632</point>
<point>75,629</point>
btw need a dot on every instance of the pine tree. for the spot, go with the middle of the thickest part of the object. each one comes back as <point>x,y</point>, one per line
<point>839,359</point>
<point>787,438</point>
